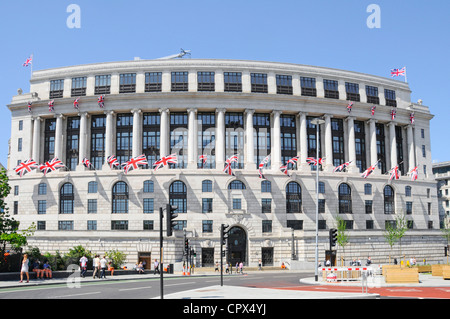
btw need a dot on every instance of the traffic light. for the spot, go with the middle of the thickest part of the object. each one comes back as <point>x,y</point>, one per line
<point>333,237</point>
<point>186,245</point>
<point>224,233</point>
<point>170,217</point>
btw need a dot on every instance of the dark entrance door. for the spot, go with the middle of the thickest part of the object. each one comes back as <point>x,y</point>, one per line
<point>237,246</point>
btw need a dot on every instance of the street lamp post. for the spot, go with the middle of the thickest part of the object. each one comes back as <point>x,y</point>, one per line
<point>317,122</point>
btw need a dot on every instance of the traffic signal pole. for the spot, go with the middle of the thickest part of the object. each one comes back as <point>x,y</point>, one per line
<point>161,251</point>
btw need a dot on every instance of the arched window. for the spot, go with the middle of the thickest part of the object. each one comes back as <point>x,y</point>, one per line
<point>266,187</point>
<point>92,187</point>
<point>120,198</point>
<point>206,186</point>
<point>367,189</point>
<point>389,205</point>
<point>236,185</point>
<point>148,187</point>
<point>178,196</point>
<point>66,198</point>
<point>293,198</point>
<point>345,199</point>
<point>408,191</point>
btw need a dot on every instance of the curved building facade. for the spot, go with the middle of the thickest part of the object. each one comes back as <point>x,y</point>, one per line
<point>222,108</point>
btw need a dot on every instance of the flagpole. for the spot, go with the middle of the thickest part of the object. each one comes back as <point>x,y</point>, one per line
<point>406,80</point>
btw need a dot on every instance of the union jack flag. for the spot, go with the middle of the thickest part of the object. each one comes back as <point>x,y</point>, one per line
<point>134,162</point>
<point>29,106</point>
<point>394,173</point>
<point>341,167</point>
<point>203,158</point>
<point>228,163</point>
<point>50,105</point>
<point>398,72</point>
<point>112,161</point>
<point>170,159</point>
<point>284,170</point>
<point>28,61</point>
<point>293,161</point>
<point>26,167</point>
<point>411,118</point>
<point>370,170</point>
<point>393,114</point>
<point>261,166</point>
<point>372,110</point>
<point>413,173</point>
<point>51,166</point>
<point>101,101</point>
<point>349,106</point>
<point>314,161</point>
<point>76,103</point>
<point>87,163</point>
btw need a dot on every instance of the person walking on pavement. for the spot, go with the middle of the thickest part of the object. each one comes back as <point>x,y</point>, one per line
<point>103,263</point>
<point>24,269</point>
<point>156,267</point>
<point>96,267</point>
<point>241,267</point>
<point>83,265</point>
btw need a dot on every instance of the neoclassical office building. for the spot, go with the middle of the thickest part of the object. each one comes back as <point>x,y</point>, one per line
<point>221,108</point>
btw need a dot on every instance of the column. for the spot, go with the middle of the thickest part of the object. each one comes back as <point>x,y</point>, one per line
<point>192,140</point>
<point>303,166</point>
<point>109,136</point>
<point>137,133</point>
<point>83,140</point>
<point>351,144</point>
<point>373,144</point>
<point>250,145</point>
<point>36,153</point>
<point>59,137</point>
<point>393,145</point>
<point>220,138</point>
<point>328,144</point>
<point>164,134</point>
<point>411,157</point>
<point>276,150</point>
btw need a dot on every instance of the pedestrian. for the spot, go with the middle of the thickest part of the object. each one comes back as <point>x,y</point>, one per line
<point>237,267</point>
<point>83,265</point>
<point>96,266</point>
<point>24,269</point>
<point>217,267</point>
<point>369,261</point>
<point>103,263</point>
<point>241,267</point>
<point>111,268</point>
<point>141,268</point>
<point>226,268</point>
<point>259,265</point>
<point>156,267</point>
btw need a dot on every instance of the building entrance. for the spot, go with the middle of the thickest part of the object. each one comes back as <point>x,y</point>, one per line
<point>237,246</point>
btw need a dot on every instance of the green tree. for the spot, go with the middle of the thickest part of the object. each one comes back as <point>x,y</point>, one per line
<point>395,231</point>
<point>342,235</point>
<point>117,258</point>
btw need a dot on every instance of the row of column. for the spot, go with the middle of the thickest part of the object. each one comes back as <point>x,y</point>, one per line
<point>220,139</point>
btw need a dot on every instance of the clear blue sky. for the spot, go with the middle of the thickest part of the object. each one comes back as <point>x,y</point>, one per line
<point>329,33</point>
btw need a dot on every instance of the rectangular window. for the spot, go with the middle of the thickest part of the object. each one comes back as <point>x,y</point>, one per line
<point>91,225</point>
<point>284,84</point>
<point>234,137</point>
<point>321,206</point>
<point>368,206</point>
<point>352,90</point>
<point>360,145</point>
<point>56,89</point>
<point>369,224</point>
<point>295,224</point>
<point>205,81</point>
<point>16,190</point>
<point>153,82</point>
<point>102,84</point>
<point>151,131</point>
<point>42,189</point>
<point>49,139</point>
<point>237,204</point>
<point>41,225</point>
<point>179,138</point>
<point>261,136</point>
<point>98,129</point>
<point>16,208</point>
<point>207,226</point>
<point>92,187</point>
<point>389,95</point>
<point>266,226</point>
<point>331,89</point>
<point>266,205</point>
<point>19,144</point>
<point>65,225</point>
<point>127,83</point>
<point>288,138</point>
<point>119,225</point>
<point>311,136</point>
<point>381,147</point>
<point>399,139</point>
<point>124,137</point>
<point>42,207</point>
<point>92,206</point>
<point>148,225</point>
<point>232,81</point>
<point>337,135</point>
<point>207,139</point>
<point>372,95</point>
<point>73,136</point>
<point>78,86</point>
<point>422,133</point>
<point>424,151</point>
<point>180,81</point>
<point>308,86</point>
<point>148,205</point>
<point>20,125</point>
<point>259,83</point>
<point>409,208</point>
<point>207,206</point>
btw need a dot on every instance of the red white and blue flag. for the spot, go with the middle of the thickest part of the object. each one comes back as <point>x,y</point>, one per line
<point>393,114</point>
<point>284,170</point>
<point>51,106</point>
<point>134,163</point>
<point>261,166</point>
<point>28,61</point>
<point>370,170</point>
<point>372,110</point>
<point>413,173</point>
<point>29,106</point>
<point>411,118</point>
<point>227,169</point>
<point>76,103</point>
<point>315,161</point>
<point>166,160</point>
<point>203,158</point>
<point>101,101</point>
<point>87,163</point>
<point>51,165</point>
<point>394,173</point>
<point>26,167</point>
<point>112,161</point>
<point>398,72</point>
<point>293,161</point>
<point>341,167</point>
<point>349,106</point>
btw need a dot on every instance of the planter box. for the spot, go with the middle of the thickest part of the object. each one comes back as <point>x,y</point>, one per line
<point>446,272</point>
<point>424,268</point>
<point>387,267</point>
<point>403,275</point>
<point>436,270</point>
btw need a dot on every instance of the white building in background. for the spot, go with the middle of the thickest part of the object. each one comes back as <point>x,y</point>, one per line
<point>220,108</point>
